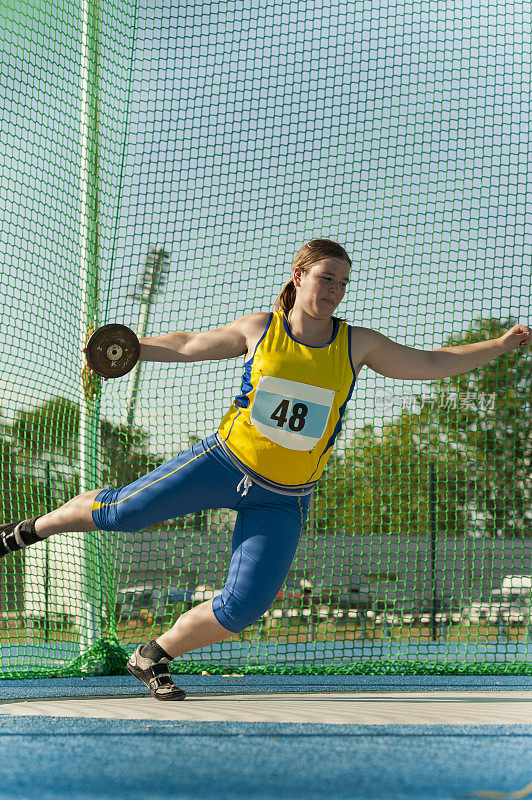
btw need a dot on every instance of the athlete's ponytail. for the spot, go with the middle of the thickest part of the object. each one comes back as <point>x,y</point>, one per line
<point>287,297</point>
<point>306,257</point>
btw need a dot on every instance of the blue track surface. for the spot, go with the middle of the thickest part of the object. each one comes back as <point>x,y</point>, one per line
<point>51,758</point>
<point>111,686</point>
<point>54,758</point>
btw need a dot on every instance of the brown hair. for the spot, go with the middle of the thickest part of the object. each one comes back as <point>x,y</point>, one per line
<point>305,258</point>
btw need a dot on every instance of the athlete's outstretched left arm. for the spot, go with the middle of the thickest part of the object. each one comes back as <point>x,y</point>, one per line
<point>394,360</point>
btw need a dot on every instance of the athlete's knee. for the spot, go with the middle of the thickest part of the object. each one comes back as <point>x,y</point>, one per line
<point>124,526</point>
<point>124,522</point>
<point>237,614</point>
<point>112,513</point>
<point>105,512</point>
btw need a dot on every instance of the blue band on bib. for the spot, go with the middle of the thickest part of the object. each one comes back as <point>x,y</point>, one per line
<point>297,416</point>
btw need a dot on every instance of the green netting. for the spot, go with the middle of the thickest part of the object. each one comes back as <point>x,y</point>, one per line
<point>161,165</point>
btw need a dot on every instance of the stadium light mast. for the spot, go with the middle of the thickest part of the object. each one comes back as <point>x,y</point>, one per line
<point>151,281</point>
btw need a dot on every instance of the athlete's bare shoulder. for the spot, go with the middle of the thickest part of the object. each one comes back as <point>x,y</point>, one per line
<point>256,321</point>
<point>358,344</point>
<point>252,326</point>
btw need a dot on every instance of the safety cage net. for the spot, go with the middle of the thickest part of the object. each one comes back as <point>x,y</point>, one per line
<point>162,163</point>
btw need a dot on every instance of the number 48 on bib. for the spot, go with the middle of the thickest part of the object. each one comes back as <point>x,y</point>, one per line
<point>291,414</point>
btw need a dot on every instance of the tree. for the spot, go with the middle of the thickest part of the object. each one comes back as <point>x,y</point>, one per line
<point>474,427</point>
<point>381,484</point>
<point>484,423</point>
<point>50,433</point>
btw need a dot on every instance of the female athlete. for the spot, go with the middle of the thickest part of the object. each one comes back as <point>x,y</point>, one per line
<point>271,447</point>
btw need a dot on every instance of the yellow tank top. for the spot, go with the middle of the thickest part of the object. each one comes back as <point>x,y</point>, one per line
<point>293,397</point>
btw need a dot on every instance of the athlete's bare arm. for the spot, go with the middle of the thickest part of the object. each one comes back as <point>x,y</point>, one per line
<point>235,339</point>
<point>394,360</point>
<point>391,359</point>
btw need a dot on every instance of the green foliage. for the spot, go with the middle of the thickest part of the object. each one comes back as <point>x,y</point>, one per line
<point>39,456</point>
<point>474,427</point>
<point>490,442</point>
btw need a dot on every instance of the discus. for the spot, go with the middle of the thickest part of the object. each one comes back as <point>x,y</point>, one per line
<point>112,350</point>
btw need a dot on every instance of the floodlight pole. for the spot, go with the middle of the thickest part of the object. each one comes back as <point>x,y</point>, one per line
<point>151,280</point>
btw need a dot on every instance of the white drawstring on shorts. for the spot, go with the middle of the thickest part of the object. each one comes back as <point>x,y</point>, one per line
<point>248,483</point>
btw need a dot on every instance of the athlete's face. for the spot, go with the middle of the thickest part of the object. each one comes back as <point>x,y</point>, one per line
<point>322,288</point>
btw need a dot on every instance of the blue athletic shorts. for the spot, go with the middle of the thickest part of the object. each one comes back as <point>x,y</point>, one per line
<point>266,533</point>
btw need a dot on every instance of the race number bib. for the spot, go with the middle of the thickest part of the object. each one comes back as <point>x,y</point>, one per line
<point>291,414</point>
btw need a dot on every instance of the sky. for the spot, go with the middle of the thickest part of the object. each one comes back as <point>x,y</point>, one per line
<point>231,133</point>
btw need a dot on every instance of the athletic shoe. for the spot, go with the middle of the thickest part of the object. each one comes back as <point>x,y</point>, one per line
<point>156,676</point>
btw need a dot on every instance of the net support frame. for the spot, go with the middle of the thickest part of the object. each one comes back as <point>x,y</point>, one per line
<point>88,607</point>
